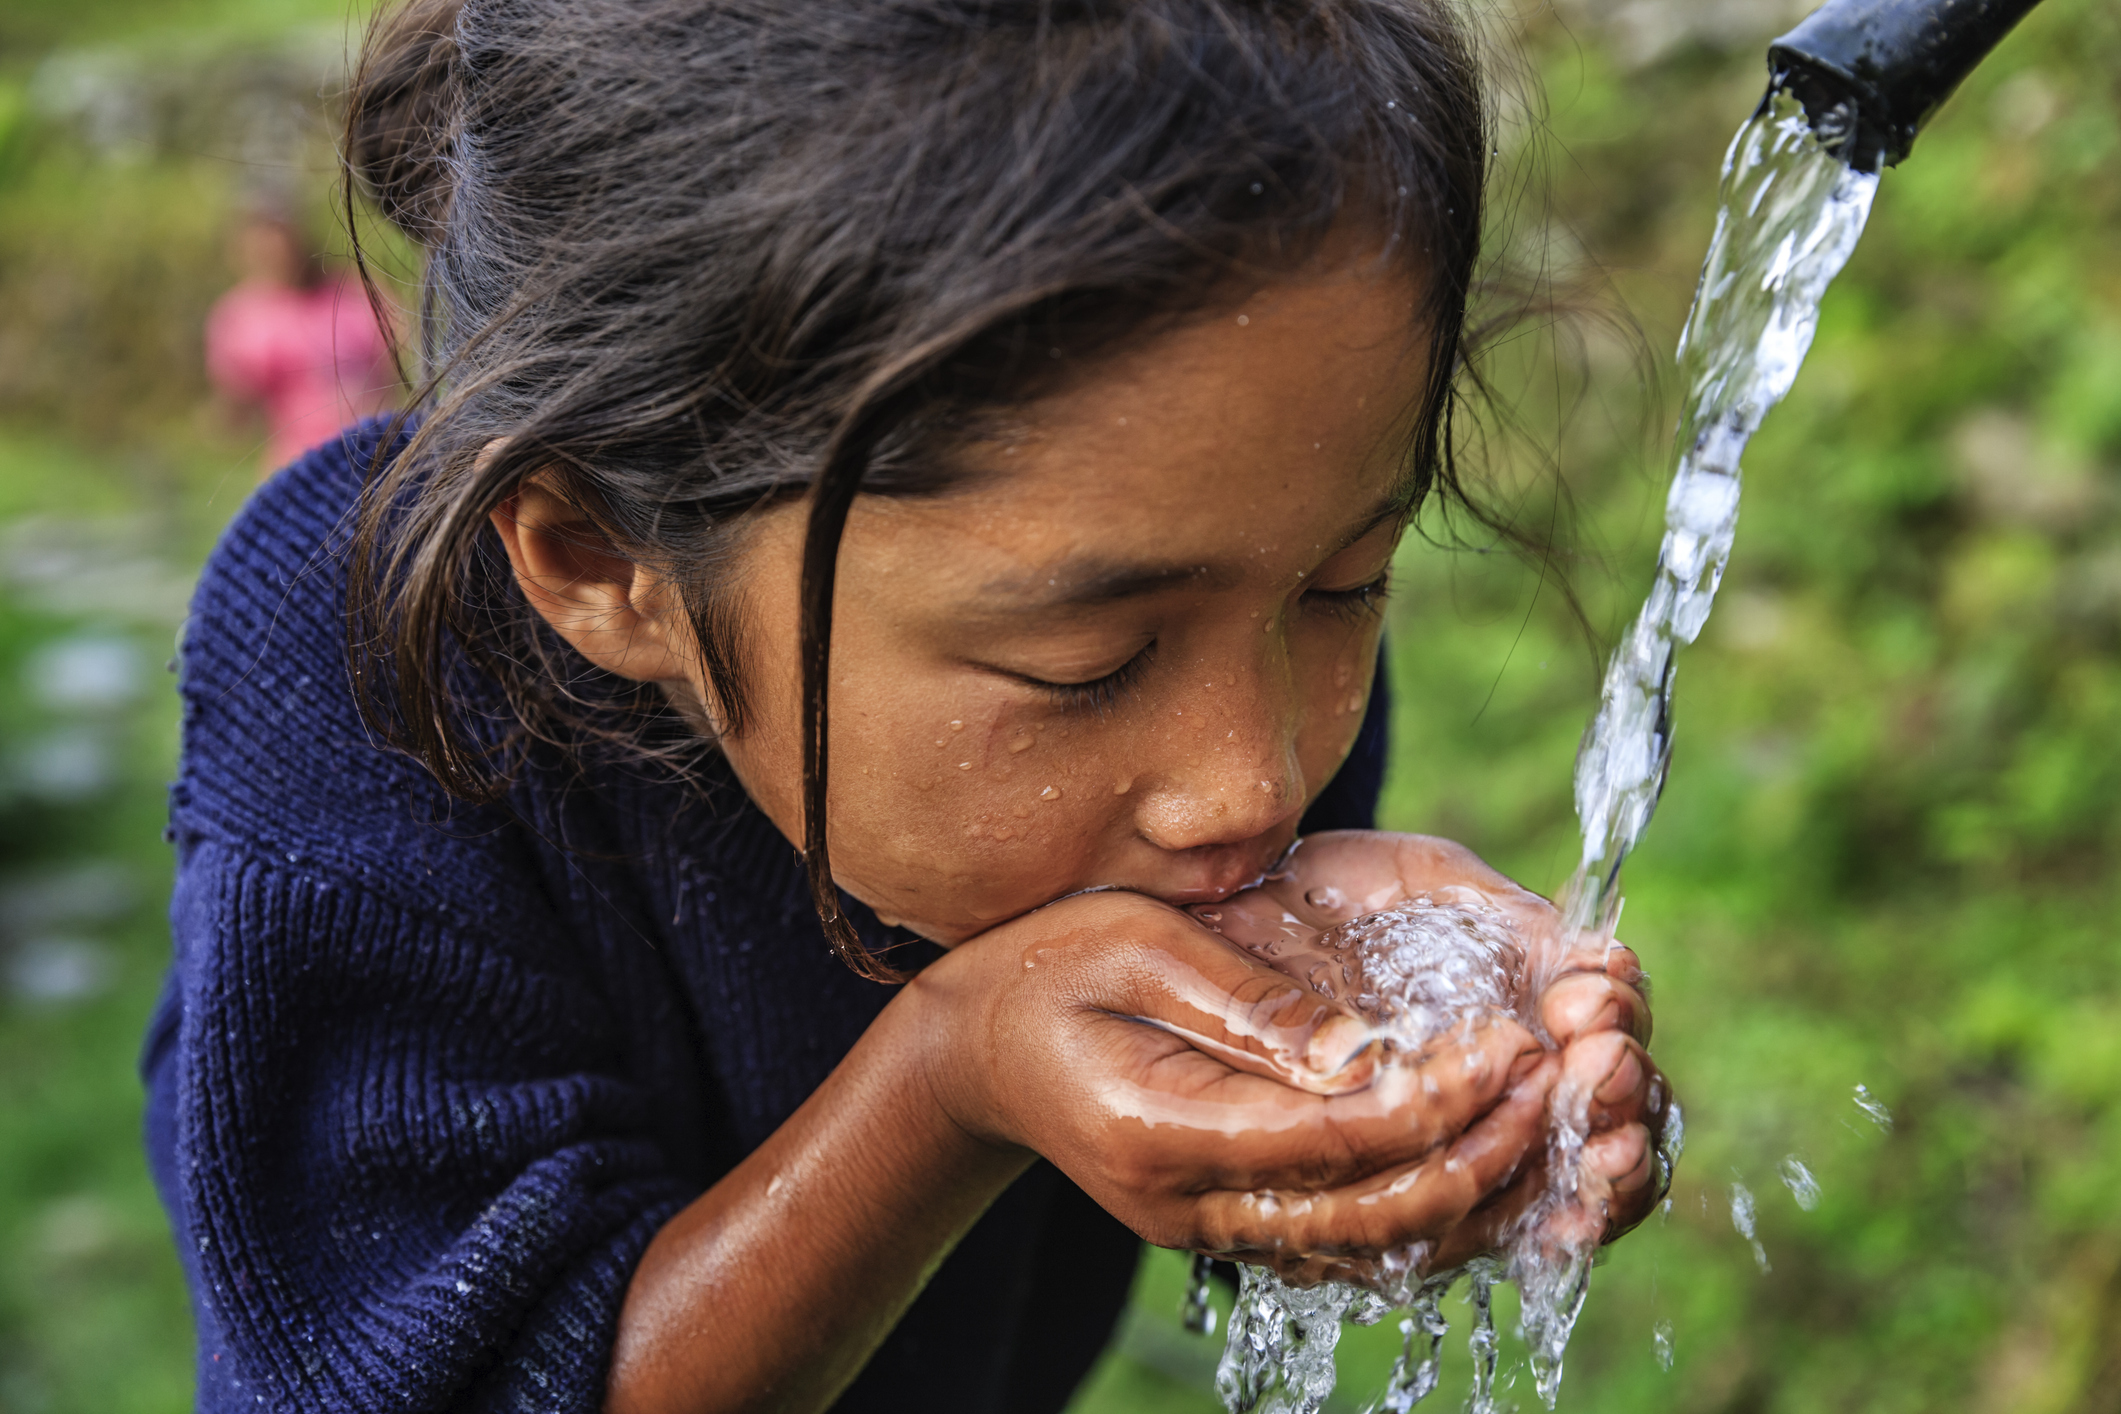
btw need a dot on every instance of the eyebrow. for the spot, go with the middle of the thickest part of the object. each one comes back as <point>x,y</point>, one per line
<point>1087,582</point>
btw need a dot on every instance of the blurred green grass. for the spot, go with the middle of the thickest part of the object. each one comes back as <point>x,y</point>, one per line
<point>1886,857</point>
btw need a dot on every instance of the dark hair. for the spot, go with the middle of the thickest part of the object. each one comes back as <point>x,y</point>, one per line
<point>688,257</point>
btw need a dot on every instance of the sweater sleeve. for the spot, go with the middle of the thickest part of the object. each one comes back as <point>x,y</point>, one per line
<point>406,1163</point>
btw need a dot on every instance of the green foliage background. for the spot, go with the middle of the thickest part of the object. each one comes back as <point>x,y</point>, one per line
<point>1887,854</point>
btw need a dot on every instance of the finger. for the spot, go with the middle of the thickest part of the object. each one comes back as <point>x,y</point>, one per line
<point>1415,1202</point>
<point>1127,956</point>
<point>1242,1011</point>
<point>1489,1226</point>
<point>1608,1080</point>
<point>1625,1159</point>
<point>1586,1002</point>
<point>1337,875</point>
<point>1203,1126</point>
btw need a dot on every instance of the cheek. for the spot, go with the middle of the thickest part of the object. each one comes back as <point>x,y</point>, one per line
<point>1334,673</point>
<point>971,790</point>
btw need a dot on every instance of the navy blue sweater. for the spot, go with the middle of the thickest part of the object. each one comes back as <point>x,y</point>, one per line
<point>427,1078</point>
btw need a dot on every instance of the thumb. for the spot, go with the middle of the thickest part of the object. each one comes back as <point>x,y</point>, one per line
<point>1161,967</point>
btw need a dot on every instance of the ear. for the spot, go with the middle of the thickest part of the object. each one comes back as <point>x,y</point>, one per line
<point>623,618</point>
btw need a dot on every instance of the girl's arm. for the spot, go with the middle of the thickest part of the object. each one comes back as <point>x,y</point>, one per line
<point>1059,1035</point>
<point>774,1287</point>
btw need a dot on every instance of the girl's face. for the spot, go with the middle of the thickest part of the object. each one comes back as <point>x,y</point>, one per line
<point>1132,652</point>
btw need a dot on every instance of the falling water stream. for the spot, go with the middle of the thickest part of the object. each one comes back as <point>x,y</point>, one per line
<point>1791,214</point>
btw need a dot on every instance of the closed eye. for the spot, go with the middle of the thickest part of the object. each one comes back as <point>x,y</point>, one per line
<point>1099,695</point>
<point>1361,602</point>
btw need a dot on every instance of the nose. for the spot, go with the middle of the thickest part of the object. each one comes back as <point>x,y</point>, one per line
<point>1230,774</point>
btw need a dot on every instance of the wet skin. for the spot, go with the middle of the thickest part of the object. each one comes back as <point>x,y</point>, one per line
<point>1128,656</point>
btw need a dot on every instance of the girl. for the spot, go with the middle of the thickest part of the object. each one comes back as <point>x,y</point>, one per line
<point>894,464</point>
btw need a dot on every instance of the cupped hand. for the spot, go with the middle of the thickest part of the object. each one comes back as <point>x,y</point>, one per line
<point>1585,994</point>
<point>1211,1102</point>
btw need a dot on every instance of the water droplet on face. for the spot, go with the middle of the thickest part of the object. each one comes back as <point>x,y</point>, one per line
<point>1021,742</point>
<point>957,726</point>
<point>1325,898</point>
<point>1209,915</point>
<point>1122,787</point>
<point>1266,786</point>
<point>1050,793</point>
<point>964,765</point>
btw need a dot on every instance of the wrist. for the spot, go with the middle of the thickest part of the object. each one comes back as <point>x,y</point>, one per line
<point>952,1049</point>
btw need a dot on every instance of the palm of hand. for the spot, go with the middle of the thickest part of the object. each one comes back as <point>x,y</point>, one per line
<point>1213,1101</point>
<point>1457,947</point>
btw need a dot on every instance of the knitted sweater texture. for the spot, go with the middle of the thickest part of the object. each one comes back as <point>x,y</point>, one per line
<point>427,1078</point>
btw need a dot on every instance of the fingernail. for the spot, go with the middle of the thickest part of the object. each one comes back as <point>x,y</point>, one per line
<point>1624,1171</point>
<point>1334,1044</point>
<point>1623,1082</point>
<point>1524,1066</point>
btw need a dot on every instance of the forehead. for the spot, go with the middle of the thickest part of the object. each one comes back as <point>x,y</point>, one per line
<point>1266,429</point>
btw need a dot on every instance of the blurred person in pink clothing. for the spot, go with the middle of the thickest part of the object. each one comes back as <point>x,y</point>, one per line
<point>295,342</point>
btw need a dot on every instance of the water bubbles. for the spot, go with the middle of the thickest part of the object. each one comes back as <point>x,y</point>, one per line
<point>1482,1342</point>
<point>1416,971</point>
<point>1799,1180</point>
<point>1661,1340</point>
<point>1671,1144</point>
<point>1873,1107</point>
<point>1195,1312</point>
<point>1279,1355</point>
<point>1742,1218</point>
<point>1325,898</point>
<point>1419,1366</point>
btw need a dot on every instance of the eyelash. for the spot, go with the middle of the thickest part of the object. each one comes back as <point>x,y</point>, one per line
<point>1361,602</point>
<point>1099,695</point>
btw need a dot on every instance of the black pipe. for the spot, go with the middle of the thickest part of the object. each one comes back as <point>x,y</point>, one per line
<point>1871,72</point>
